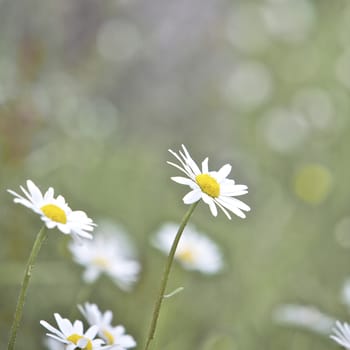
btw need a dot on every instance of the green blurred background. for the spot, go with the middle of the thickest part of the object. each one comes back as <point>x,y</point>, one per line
<point>93,93</point>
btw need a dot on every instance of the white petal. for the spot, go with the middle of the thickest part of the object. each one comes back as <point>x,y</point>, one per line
<point>223,209</point>
<point>24,202</point>
<point>57,338</point>
<point>126,341</point>
<point>183,180</point>
<point>191,163</point>
<point>223,172</point>
<point>232,207</point>
<point>209,200</point>
<point>82,342</point>
<point>205,166</point>
<point>49,194</point>
<point>234,201</point>
<point>78,327</point>
<point>193,196</point>
<point>34,191</point>
<point>51,328</point>
<point>64,324</point>
<point>91,332</point>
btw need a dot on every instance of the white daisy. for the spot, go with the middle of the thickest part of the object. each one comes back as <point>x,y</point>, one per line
<point>114,336</point>
<point>211,186</point>
<point>341,334</point>
<point>195,251</point>
<point>55,212</point>
<point>72,335</point>
<point>109,253</point>
<point>303,316</point>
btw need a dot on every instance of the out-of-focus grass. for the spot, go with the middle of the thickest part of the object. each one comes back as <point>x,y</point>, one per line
<point>91,97</point>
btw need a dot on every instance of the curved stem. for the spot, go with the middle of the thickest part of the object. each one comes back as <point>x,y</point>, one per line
<point>40,238</point>
<point>166,272</point>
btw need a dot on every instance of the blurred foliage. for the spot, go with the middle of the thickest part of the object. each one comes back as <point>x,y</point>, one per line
<point>93,93</point>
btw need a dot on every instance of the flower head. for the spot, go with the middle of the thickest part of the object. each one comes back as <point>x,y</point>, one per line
<point>55,212</point>
<point>211,186</point>
<point>303,316</point>
<point>341,334</point>
<point>195,251</point>
<point>109,253</point>
<point>114,336</point>
<point>72,335</point>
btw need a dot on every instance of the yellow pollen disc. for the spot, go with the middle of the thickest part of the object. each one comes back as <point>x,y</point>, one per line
<point>74,338</point>
<point>186,256</point>
<point>208,185</point>
<point>109,337</point>
<point>101,262</point>
<point>54,213</point>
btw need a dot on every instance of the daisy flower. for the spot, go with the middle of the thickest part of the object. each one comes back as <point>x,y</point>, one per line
<point>342,334</point>
<point>303,316</point>
<point>109,253</point>
<point>55,212</point>
<point>195,251</point>
<point>114,336</point>
<point>212,187</point>
<point>72,335</point>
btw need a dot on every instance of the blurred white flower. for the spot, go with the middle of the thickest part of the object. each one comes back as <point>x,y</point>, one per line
<point>55,212</point>
<point>346,292</point>
<point>72,335</point>
<point>109,253</point>
<point>112,335</point>
<point>53,344</point>
<point>246,28</point>
<point>248,86</point>
<point>195,251</point>
<point>289,20</point>
<point>284,129</point>
<point>341,334</point>
<point>211,186</point>
<point>307,317</point>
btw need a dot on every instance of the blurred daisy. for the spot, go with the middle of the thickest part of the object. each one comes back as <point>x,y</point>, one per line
<point>109,253</point>
<point>72,335</point>
<point>55,212</point>
<point>211,186</point>
<point>112,335</point>
<point>195,251</point>
<point>307,317</point>
<point>341,334</point>
<point>346,293</point>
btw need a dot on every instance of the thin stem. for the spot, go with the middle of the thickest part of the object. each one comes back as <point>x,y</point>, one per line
<point>166,272</point>
<point>40,238</point>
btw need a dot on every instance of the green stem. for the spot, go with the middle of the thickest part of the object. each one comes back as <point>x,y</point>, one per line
<point>40,238</point>
<point>164,282</point>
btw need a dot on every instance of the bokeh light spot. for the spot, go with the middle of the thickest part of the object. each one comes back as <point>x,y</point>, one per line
<point>312,183</point>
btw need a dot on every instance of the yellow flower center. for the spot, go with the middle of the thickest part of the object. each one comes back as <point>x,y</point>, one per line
<point>74,338</point>
<point>54,213</point>
<point>186,256</point>
<point>109,337</point>
<point>101,262</point>
<point>208,185</point>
